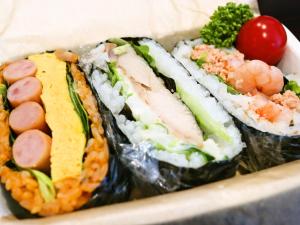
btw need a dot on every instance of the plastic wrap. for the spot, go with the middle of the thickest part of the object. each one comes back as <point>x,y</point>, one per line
<point>265,150</point>
<point>151,176</point>
<point>114,188</point>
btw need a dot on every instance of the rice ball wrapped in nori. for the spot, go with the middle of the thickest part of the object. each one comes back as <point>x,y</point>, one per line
<point>262,101</point>
<point>82,173</point>
<point>174,138</point>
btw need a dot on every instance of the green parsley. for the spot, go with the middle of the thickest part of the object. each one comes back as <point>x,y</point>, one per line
<point>225,24</point>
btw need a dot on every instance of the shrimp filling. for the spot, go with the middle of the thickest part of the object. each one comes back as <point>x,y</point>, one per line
<point>252,78</point>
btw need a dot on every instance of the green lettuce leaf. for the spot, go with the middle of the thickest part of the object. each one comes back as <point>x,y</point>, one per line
<point>292,86</point>
<point>78,106</point>
<point>118,41</point>
<point>143,50</point>
<point>120,49</point>
<point>113,75</point>
<point>230,89</point>
<point>45,185</point>
<point>3,93</point>
<point>202,59</point>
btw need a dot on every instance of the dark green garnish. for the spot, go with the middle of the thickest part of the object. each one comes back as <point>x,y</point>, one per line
<point>78,106</point>
<point>292,86</point>
<point>3,93</point>
<point>12,137</point>
<point>225,24</point>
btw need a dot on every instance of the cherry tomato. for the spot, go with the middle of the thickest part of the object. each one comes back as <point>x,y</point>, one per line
<point>262,38</point>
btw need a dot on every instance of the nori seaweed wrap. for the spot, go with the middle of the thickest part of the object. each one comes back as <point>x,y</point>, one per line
<point>170,138</point>
<point>263,101</point>
<point>59,161</point>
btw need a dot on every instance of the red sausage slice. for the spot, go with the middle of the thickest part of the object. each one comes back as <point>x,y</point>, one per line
<point>32,149</point>
<point>18,70</point>
<point>28,115</point>
<point>27,89</point>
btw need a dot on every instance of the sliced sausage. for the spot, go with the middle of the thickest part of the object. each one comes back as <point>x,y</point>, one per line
<point>18,70</point>
<point>28,115</point>
<point>32,149</point>
<point>27,89</point>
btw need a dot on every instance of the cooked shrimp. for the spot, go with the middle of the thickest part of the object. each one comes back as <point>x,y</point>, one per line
<point>255,75</point>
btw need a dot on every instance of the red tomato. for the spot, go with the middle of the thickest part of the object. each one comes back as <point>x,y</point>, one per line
<point>262,38</point>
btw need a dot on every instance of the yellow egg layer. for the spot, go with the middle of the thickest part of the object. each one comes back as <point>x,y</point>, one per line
<point>68,139</point>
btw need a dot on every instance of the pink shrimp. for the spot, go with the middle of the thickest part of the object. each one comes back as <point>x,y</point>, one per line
<point>255,75</point>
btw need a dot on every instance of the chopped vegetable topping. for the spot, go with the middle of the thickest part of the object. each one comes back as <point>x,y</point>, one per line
<point>230,88</point>
<point>120,49</point>
<point>293,86</point>
<point>225,23</point>
<point>202,59</point>
<point>78,106</point>
<point>3,92</point>
<point>45,185</point>
<point>143,50</point>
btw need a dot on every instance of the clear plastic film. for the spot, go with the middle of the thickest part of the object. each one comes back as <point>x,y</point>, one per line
<point>151,176</point>
<point>266,150</point>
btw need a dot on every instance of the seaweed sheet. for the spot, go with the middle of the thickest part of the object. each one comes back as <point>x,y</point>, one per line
<point>266,150</point>
<point>114,188</point>
<point>151,176</point>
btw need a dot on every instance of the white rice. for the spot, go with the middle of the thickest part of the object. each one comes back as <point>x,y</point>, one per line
<point>133,129</point>
<point>237,105</point>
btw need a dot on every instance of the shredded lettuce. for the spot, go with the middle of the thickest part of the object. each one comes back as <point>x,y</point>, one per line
<point>230,89</point>
<point>3,89</point>
<point>143,50</point>
<point>187,152</point>
<point>190,151</point>
<point>118,41</point>
<point>292,86</point>
<point>202,59</point>
<point>151,129</point>
<point>3,93</point>
<point>155,132</point>
<point>120,49</point>
<point>45,185</point>
<point>113,75</point>
<point>78,106</point>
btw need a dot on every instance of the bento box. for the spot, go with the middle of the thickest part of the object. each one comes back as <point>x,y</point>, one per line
<point>90,32</point>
